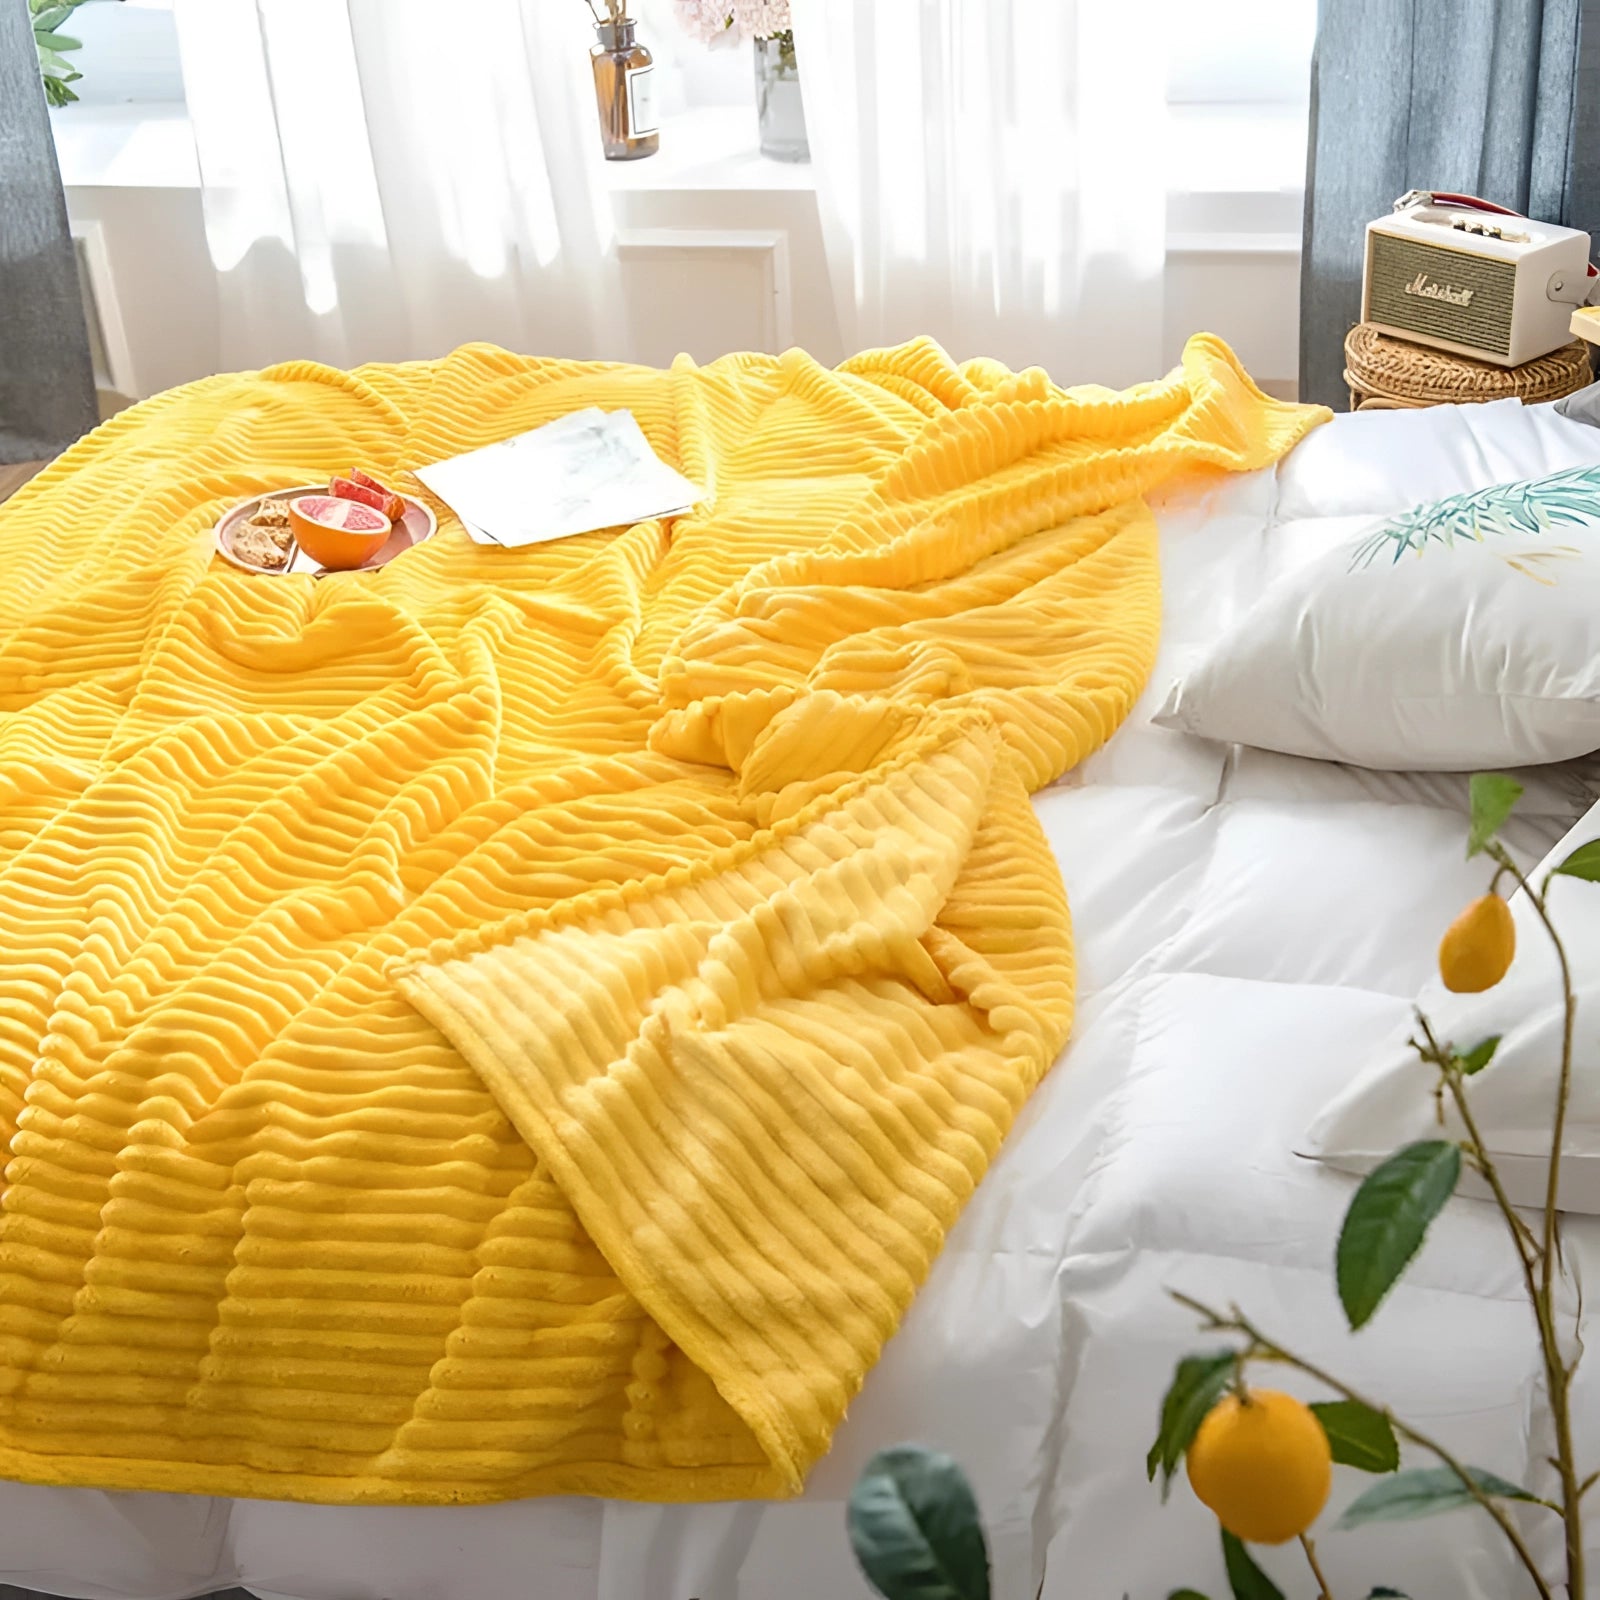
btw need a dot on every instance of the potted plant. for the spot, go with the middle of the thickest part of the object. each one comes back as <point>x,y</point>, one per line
<point>1262,1460</point>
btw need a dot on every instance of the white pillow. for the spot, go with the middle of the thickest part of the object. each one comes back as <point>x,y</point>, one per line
<point>1375,463</point>
<point>1390,1103</point>
<point>1461,634</point>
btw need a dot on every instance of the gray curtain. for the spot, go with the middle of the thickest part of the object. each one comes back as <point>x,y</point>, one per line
<point>1496,98</point>
<point>46,379</point>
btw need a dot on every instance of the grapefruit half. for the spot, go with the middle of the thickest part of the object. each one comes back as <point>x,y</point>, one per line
<point>338,533</point>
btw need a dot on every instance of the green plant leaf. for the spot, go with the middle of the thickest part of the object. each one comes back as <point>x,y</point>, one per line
<point>1245,1578</point>
<point>1359,1436</point>
<point>1387,1220</point>
<point>1196,1386</point>
<point>915,1529</point>
<point>1186,1594</point>
<point>1424,1492</point>
<point>49,17</point>
<point>1584,862</point>
<point>1493,795</point>
<point>1479,1056</point>
<point>56,41</point>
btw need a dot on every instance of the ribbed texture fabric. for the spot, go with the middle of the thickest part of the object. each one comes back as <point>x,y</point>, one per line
<point>523,1023</point>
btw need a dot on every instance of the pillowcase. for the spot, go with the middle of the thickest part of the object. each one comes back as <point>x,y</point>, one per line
<point>1458,635</point>
<point>1391,1104</point>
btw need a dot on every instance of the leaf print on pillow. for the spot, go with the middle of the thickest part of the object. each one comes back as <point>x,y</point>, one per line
<point>1532,505</point>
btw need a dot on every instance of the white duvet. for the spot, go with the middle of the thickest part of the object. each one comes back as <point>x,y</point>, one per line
<point>1248,927</point>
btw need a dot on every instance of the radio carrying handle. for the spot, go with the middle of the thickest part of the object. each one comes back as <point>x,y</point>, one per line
<point>1473,202</point>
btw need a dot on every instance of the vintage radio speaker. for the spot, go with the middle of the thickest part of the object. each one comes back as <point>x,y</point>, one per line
<point>1454,272</point>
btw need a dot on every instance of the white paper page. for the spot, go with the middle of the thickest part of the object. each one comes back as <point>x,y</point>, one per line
<point>585,471</point>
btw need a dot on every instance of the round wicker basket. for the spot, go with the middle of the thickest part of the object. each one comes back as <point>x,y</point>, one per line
<point>1385,373</point>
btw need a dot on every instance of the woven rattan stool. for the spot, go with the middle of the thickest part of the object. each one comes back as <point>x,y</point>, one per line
<point>1385,373</point>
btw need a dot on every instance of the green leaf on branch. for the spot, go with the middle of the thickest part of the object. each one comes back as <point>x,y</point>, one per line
<point>1479,1056</point>
<point>1359,1436</point>
<point>56,41</point>
<point>1492,796</point>
<point>1584,862</point>
<point>1425,1492</point>
<point>1387,1220</point>
<point>1186,1594</point>
<point>1196,1387</point>
<point>915,1529</point>
<point>1245,1578</point>
<point>48,18</point>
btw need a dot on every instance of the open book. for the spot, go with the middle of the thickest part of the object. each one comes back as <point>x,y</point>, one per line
<point>591,469</point>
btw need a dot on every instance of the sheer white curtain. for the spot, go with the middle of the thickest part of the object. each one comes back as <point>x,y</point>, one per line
<point>386,179</point>
<point>991,172</point>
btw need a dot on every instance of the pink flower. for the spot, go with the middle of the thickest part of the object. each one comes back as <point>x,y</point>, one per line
<point>706,20</point>
<point>760,19</point>
<point>710,20</point>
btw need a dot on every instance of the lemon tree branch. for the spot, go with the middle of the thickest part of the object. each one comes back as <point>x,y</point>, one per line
<point>1558,1375</point>
<point>1323,1591</point>
<point>1528,1248</point>
<point>1235,1321</point>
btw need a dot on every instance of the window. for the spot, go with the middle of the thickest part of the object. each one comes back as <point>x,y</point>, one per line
<point>1238,90</point>
<point>129,54</point>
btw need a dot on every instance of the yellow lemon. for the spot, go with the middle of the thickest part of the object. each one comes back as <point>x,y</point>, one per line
<point>1262,1465</point>
<point>1478,946</point>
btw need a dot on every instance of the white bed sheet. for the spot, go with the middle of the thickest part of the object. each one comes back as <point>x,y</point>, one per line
<point>1248,925</point>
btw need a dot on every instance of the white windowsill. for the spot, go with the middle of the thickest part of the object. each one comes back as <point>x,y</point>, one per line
<point>133,146</point>
<point>1233,244</point>
<point>150,146</point>
<point>711,148</point>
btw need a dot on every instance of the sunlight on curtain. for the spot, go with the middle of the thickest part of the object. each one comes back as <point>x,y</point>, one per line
<point>992,172</point>
<point>382,184</point>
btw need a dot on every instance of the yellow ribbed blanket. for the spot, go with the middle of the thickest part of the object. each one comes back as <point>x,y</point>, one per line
<point>524,1023</point>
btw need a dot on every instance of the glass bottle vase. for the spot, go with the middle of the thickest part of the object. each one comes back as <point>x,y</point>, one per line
<point>624,92</point>
<point>778,101</point>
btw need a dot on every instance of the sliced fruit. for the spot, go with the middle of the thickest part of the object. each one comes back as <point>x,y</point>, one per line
<point>345,489</point>
<point>394,507</point>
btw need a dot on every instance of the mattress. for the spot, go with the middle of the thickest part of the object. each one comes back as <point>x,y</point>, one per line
<point>1248,927</point>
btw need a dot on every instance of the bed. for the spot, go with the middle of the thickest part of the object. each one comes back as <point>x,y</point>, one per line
<point>1247,926</point>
